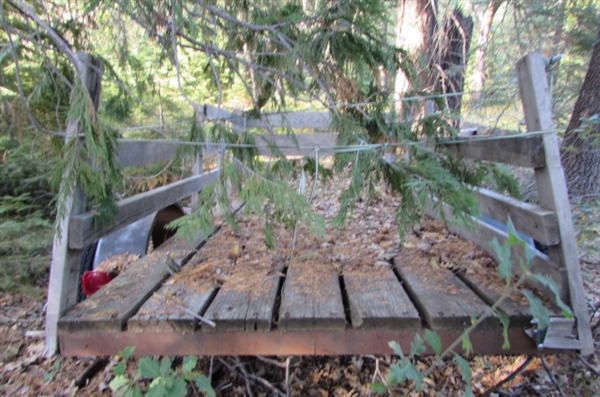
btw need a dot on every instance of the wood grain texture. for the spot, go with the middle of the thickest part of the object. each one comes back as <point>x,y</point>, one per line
<point>520,150</point>
<point>246,310</point>
<point>111,307</point>
<point>481,234</point>
<point>529,219</point>
<point>551,184</point>
<point>65,274</point>
<point>311,299</point>
<point>312,120</point>
<point>444,300</point>
<point>163,312</point>
<point>133,153</point>
<point>82,230</point>
<point>306,143</point>
<point>378,301</point>
<point>520,316</point>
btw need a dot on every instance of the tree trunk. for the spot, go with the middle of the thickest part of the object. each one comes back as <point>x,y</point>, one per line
<point>581,146</point>
<point>415,25</point>
<point>481,52</point>
<point>450,74</point>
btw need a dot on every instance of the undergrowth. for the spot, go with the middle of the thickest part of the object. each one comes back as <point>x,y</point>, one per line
<point>26,227</point>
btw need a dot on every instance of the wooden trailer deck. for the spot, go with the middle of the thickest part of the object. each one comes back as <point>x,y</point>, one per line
<point>322,301</point>
<point>261,307</point>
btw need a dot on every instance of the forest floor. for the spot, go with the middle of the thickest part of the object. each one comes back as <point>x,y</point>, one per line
<point>24,371</point>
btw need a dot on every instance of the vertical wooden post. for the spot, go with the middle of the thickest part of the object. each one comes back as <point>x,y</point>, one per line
<point>65,267</point>
<point>198,155</point>
<point>552,187</point>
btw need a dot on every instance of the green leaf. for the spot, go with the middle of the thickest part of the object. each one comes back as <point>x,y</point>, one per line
<point>396,348</point>
<point>466,344</point>
<point>417,346</point>
<point>504,263</point>
<point>157,389</point>
<point>128,352</point>
<point>203,384</point>
<point>379,388</point>
<point>548,282</point>
<point>465,368</point>
<point>165,367</point>
<point>469,391</point>
<point>538,310</point>
<point>513,236</point>
<point>434,341</point>
<point>189,363</point>
<point>118,383</point>
<point>504,319</point>
<point>149,368</point>
<point>119,369</point>
<point>178,388</point>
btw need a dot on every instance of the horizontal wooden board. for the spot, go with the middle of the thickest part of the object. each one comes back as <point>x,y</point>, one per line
<point>169,309</point>
<point>309,120</point>
<point>444,300</point>
<point>214,113</point>
<point>246,310</point>
<point>82,230</point>
<point>377,300</point>
<point>276,343</point>
<point>133,153</point>
<point>481,234</point>
<point>117,301</point>
<point>306,143</point>
<point>311,298</point>
<point>520,150</point>
<point>529,219</point>
<point>520,316</point>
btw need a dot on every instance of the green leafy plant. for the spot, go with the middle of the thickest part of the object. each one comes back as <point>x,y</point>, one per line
<point>164,380</point>
<point>406,369</point>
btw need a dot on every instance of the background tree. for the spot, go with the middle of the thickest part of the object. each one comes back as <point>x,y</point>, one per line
<point>486,18</point>
<point>581,146</point>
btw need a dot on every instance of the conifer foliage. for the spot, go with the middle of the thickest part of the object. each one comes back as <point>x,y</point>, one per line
<point>332,55</point>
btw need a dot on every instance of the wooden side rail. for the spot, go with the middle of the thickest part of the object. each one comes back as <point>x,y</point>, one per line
<point>532,220</point>
<point>518,150</point>
<point>83,231</point>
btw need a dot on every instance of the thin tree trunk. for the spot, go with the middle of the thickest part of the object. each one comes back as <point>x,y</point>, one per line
<point>415,26</point>
<point>450,74</point>
<point>581,146</point>
<point>481,52</point>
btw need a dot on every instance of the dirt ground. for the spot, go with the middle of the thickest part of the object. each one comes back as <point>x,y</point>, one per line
<point>24,371</point>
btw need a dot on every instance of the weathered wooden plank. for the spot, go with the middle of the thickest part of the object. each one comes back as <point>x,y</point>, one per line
<point>305,147</point>
<point>133,153</point>
<point>65,267</point>
<point>169,309</point>
<point>551,184</point>
<point>243,310</point>
<point>311,298</point>
<point>529,219</point>
<point>313,120</point>
<point>111,307</point>
<point>520,316</point>
<point>444,300</point>
<point>378,301</point>
<point>481,234</point>
<point>349,341</point>
<point>214,112</point>
<point>520,150</point>
<point>82,230</point>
